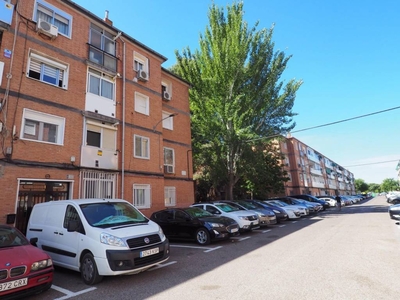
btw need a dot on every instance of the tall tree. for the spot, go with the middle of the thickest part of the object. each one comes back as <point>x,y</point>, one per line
<point>390,184</point>
<point>237,97</point>
<point>360,185</point>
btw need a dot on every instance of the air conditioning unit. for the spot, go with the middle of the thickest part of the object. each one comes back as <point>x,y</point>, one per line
<point>168,169</point>
<point>47,28</point>
<point>142,75</point>
<point>166,95</point>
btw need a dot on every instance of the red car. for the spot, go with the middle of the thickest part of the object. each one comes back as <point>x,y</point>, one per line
<point>24,269</point>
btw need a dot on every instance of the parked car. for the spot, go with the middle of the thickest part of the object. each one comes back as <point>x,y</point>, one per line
<point>312,207</point>
<point>292,213</point>
<point>24,269</point>
<point>394,211</point>
<point>303,210</point>
<point>281,214</point>
<point>392,195</point>
<point>194,224</point>
<point>331,200</point>
<point>247,220</point>
<point>266,215</point>
<point>97,237</point>
<point>314,199</point>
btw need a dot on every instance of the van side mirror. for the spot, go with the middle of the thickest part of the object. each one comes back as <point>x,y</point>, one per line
<point>34,241</point>
<point>73,225</point>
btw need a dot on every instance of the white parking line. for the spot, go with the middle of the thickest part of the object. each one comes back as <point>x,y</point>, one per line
<point>280,226</point>
<point>208,249</point>
<point>265,231</point>
<point>293,222</point>
<point>70,294</point>
<point>162,265</point>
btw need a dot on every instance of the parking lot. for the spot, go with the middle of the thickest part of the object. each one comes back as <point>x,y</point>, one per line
<point>332,255</point>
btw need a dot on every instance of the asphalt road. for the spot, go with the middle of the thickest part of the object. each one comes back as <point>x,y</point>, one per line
<point>351,254</point>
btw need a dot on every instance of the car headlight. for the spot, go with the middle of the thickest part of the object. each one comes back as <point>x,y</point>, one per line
<point>276,211</point>
<point>161,233</point>
<point>215,225</point>
<point>42,264</point>
<point>244,218</point>
<point>111,240</point>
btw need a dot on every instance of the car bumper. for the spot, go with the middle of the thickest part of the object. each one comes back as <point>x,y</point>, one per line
<point>132,261</point>
<point>37,283</point>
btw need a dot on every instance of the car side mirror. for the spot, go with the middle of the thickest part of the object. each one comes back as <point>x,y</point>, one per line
<point>34,241</point>
<point>73,225</point>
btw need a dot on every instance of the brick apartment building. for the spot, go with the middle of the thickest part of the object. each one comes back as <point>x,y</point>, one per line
<point>86,111</point>
<point>310,172</point>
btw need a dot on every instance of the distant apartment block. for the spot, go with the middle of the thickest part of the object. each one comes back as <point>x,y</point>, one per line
<point>311,172</point>
<point>86,111</point>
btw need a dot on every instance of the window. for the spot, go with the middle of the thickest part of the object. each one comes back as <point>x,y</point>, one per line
<point>168,122</point>
<point>71,215</point>
<point>166,90</point>
<point>141,195</point>
<point>141,63</point>
<point>37,126</point>
<point>100,84</point>
<point>169,196</point>
<point>98,184</point>
<point>141,104</point>
<point>47,70</point>
<point>169,160</point>
<point>101,136</point>
<point>102,48</point>
<point>141,146</point>
<point>53,15</point>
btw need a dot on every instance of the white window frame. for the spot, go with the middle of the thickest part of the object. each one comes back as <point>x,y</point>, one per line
<point>168,122</point>
<point>43,64</point>
<point>169,196</point>
<point>43,118</point>
<point>142,60</point>
<point>173,157</point>
<point>55,11</point>
<point>102,77</point>
<point>144,146</point>
<point>144,192</point>
<point>101,129</point>
<point>142,104</point>
<point>98,184</point>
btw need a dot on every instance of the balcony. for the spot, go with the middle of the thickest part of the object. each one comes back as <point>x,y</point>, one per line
<point>102,58</point>
<point>94,157</point>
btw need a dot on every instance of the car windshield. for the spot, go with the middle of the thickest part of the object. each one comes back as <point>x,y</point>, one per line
<point>11,237</point>
<point>248,205</point>
<point>196,212</point>
<point>112,214</point>
<point>226,207</point>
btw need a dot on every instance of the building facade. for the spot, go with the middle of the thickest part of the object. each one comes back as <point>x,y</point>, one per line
<point>311,172</point>
<point>87,111</point>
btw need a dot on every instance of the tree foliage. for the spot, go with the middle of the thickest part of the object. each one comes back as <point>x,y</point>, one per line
<point>389,184</point>
<point>360,185</point>
<point>237,97</point>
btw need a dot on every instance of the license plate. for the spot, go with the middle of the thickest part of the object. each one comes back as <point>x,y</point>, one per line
<point>149,252</point>
<point>13,284</point>
<point>234,230</point>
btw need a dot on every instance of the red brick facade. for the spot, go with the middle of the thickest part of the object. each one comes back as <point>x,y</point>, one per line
<point>35,168</point>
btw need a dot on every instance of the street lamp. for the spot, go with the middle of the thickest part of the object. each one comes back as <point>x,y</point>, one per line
<point>169,116</point>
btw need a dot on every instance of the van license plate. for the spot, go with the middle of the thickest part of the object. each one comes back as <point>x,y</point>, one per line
<point>149,252</point>
<point>13,284</point>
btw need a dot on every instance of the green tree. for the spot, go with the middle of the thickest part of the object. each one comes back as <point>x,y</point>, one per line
<point>360,185</point>
<point>237,98</point>
<point>374,187</point>
<point>390,184</point>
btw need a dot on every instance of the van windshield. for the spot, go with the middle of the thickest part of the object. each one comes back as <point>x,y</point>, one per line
<point>109,214</point>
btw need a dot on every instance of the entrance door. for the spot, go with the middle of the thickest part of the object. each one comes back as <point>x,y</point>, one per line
<point>33,192</point>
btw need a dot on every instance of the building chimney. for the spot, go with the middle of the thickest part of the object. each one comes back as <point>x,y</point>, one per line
<point>108,21</point>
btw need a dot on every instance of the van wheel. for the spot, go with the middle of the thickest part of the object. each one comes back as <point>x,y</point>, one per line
<point>202,236</point>
<point>89,272</point>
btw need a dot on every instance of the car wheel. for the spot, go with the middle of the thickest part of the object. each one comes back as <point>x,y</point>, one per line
<point>89,272</point>
<point>202,236</point>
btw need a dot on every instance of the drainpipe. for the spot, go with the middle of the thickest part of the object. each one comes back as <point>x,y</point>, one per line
<point>123,115</point>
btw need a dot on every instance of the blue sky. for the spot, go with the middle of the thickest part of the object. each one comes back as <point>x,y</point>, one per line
<point>346,53</point>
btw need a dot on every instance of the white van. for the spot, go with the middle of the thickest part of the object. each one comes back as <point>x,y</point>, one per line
<point>97,237</point>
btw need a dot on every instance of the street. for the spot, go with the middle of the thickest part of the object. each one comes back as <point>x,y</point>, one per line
<point>351,254</point>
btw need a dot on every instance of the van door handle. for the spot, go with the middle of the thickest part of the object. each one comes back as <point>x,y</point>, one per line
<point>60,233</point>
